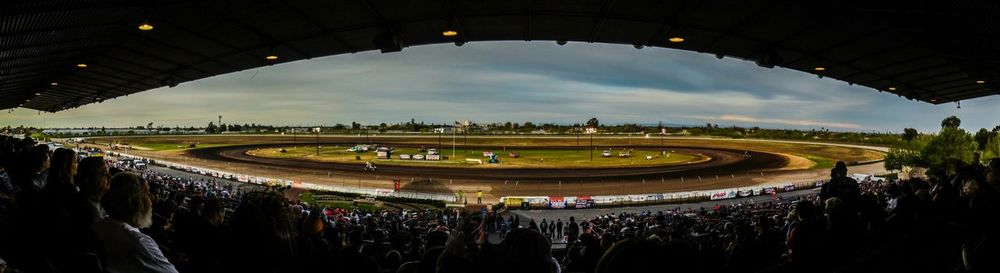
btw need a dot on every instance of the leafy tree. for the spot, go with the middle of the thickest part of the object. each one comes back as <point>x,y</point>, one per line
<point>982,138</point>
<point>951,122</point>
<point>211,128</point>
<point>950,144</point>
<point>909,134</point>
<point>592,122</point>
<point>992,149</point>
<point>897,157</point>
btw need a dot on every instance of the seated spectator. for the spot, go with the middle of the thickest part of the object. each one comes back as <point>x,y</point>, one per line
<point>129,208</point>
<point>260,236</point>
<point>352,260</point>
<point>634,255</point>
<point>529,251</point>
<point>93,179</point>
<point>56,200</point>
<point>207,231</point>
<point>85,209</point>
<point>805,240</point>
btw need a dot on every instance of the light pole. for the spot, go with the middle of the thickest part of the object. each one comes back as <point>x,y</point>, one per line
<point>591,146</point>
<point>317,141</point>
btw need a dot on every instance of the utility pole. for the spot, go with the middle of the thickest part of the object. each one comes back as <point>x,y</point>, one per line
<point>591,147</point>
<point>317,141</point>
<point>453,143</point>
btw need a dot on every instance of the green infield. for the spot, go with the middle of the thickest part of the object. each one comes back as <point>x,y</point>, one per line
<point>509,158</point>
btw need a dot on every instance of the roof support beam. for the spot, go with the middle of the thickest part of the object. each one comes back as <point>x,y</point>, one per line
<point>595,30</point>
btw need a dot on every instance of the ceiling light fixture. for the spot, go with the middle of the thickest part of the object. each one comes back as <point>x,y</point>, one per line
<point>980,81</point>
<point>819,68</point>
<point>145,26</point>
<point>449,28</point>
<point>53,83</point>
<point>81,65</point>
<point>270,55</point>
<point>892,88</point>
<point>676,39</point>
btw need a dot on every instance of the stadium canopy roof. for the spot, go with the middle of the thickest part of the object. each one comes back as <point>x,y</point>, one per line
<point>933,51</point>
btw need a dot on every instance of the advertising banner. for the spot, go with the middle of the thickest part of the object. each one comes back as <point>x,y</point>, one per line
<point>557,202</point>
<point>723,195</point>
<point>584,202</point>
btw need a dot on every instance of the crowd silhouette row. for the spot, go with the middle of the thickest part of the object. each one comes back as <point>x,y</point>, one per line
<point>63,213</point>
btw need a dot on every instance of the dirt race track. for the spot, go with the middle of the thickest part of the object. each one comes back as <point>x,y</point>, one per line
<point>730,159</point>
<point>726,168</point>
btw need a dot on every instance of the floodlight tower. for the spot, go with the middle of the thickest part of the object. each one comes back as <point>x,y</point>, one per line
<point>317,129</point>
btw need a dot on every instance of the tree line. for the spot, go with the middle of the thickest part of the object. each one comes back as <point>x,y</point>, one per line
<point>941,153</point>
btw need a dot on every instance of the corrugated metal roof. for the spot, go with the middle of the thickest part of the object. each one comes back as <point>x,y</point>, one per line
<point>934,51</point>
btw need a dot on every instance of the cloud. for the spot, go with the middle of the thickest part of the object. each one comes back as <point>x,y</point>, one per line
<point>777,121</point>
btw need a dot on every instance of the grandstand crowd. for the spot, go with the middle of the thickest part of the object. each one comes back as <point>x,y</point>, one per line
<point>63,213</point>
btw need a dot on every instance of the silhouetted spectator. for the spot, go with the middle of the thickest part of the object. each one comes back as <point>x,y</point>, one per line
<point>350,258</point>
<point>529,251</point>
<point>842,187</point>
<point>129,208</point>
<point>260,236</point>
<point>805,240</point>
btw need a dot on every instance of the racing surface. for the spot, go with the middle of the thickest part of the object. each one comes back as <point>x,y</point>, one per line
<point>728,168</point>
<point>721,161</point>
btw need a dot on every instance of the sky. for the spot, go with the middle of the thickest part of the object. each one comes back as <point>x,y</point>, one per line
<point>521,81</point>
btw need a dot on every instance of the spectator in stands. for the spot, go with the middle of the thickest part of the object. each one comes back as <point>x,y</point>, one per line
<point>85,208</point>
<point>260,236</point>
<point>39,166</point>
<point>981,245</point>
<point>559,228</point>
<point>841,233</point>
<point>314,250</point>
<point>573,228</point>
<point>206,243</point>
<point>350,258</point>
<point>529,251</point>
<point>93,179</point>
<point>583,255</point>
<point>552,230</point>
<point>805,240</point>
<point>59,183</point>
<point>129,208</point>
<point>636,255</point>
<point>544,228</point>
<point>59,191</point>
<point>842,187</point>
